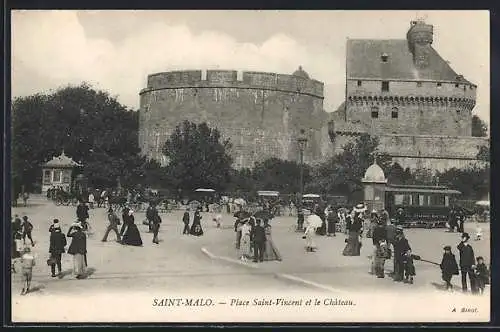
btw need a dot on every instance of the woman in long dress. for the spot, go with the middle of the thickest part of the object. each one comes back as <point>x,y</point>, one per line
<point>196,226</point>
<point>245,242</point>
<point>354,226</point>
<point>271,253</point>
<point>131,235</point>
<point>78,248</point>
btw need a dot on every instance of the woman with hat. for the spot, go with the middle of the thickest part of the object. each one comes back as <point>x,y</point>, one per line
<point>56,247</point>
<point>245,243</point>
<point>196,226</point>
<point>131,235</point>
<point>354,227</point>
<point>78,248</point>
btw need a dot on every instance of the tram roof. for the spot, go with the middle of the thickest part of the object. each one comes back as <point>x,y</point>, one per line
<point>422,189</point>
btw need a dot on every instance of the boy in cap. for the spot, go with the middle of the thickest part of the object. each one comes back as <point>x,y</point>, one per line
<point>449,267</point>
<point>27,263</point>
<point>482,274</point>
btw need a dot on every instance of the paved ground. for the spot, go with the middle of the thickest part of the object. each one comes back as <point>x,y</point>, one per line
<point>178,264</point>
<point>328,266</point>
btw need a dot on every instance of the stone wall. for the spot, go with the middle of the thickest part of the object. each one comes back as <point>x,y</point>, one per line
<point>432,152</point>
<point>423,109</point>
<point>261,114</point>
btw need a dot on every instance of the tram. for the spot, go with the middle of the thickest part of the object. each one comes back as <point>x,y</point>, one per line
<point>420,206</point>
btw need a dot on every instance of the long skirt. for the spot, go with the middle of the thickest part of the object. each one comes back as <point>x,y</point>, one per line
<point>271,253</point>
<point>196,229</point>
<point>245,246</point>
<point>310,239</point>
<point>78,264</point>
<point>131,236</point>
<point>353,246</point>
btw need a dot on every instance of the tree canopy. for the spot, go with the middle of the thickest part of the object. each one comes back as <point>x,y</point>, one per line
<point>198,157</point>
<point>479,127</point>
<point>89,125</point>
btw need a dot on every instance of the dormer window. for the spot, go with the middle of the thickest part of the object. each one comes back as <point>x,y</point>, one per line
<point>439,84</point>
<point>360,83</point>
<point>384,57</point>
<point>471,87</point>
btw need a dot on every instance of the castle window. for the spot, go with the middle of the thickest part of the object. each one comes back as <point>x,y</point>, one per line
<point>419,84</point>
<point>465,87</point>
<point>394,113</point>
<point>385,85</point>
<point>360,83</point>
<point>374,112</point>
<point>457,85</point>
<point>471,87</point>
<point>439,84</point>
<point>384,57</point>
<point>458,112</point>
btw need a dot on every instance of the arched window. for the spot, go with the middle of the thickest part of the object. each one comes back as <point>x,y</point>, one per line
<point>394,113</point>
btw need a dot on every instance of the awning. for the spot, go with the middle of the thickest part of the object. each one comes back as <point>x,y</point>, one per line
<point>205,190</point>
<point>311,196</point>
<point>268,193</point>
<point>422,190</point>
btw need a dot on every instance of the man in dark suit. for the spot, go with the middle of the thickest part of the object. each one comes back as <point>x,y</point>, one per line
<point>259,241</point>
<point>185,220</point>
<point>467,260</point>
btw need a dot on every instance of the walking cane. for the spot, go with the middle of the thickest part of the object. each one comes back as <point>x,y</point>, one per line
<point>418,258</point>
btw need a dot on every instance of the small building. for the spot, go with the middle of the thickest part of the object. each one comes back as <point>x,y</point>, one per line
<point>58,172</point>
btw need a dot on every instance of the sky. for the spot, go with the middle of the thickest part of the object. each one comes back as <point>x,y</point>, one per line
<point>116,50</point>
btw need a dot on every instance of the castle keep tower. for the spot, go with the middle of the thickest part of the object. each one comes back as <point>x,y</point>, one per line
<point>406,94</point>
<point>261,113</point>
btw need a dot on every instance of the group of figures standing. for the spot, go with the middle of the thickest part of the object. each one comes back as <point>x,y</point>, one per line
<point>254,239</point>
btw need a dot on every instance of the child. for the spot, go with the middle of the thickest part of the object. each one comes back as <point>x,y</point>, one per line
<point>449,267</point>
<point>408,267</point>
<point>217,219</point>
<point>482,274</point>
<point>27,263</point>
<point>479,232</point>
<point>381,254</point>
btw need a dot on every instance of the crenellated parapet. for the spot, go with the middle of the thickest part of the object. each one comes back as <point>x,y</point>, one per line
<point>398,101</point>
<point>234,79</point>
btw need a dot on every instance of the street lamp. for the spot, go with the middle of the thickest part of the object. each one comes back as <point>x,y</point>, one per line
<point>302,142</point>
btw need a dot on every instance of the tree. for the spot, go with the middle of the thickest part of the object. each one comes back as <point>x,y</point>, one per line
<point>89,125</point>
<point>343,173</point>
<point>279,175</point>
<point>473,182</point>
<point>479,127</point>
<point>483,154</point>
<point>398,175</point>
<point>198,156</point>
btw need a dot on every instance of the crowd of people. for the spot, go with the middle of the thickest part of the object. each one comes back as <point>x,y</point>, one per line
<point>254,240</point>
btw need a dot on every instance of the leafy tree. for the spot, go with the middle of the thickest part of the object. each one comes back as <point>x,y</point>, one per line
<point>89,125</point>
<point>398,175</point>
<point>483,154</point>
<point>472,182</point>
<point>199,157</point>
<point>479,127</point>
<point>279,175</point>
<point>343,174</point>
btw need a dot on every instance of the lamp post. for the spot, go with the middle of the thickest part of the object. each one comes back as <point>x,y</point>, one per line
<point>302,141</point>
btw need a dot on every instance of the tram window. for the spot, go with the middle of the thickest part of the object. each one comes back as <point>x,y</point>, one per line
<point>414,199</point>
<point>421,200</point>
<point>446,200</point>
<point>406,199</point>
<point>437,200</point>
<point>399,199</point>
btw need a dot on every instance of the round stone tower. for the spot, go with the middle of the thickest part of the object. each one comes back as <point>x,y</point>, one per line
<point>261,113</point>
<point>420,38</point>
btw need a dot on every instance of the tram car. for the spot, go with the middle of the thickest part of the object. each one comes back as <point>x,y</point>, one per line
<point>420,206</point>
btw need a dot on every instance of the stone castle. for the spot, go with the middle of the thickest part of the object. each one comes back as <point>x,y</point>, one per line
<point>401,91</point>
